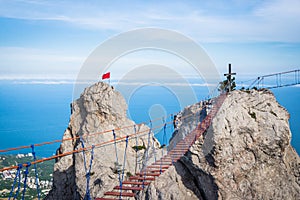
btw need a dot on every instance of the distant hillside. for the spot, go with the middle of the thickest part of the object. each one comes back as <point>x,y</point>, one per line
<point>45,171</point>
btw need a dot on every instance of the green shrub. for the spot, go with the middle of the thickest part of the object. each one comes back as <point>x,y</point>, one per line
<point>138,148</point>
<point>128,174</point>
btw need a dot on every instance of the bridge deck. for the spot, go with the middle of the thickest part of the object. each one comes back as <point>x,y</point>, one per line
<point>166,161</point>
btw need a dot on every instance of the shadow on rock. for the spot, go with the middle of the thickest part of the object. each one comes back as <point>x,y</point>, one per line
<point>61,189</point>
<point>202,184</point>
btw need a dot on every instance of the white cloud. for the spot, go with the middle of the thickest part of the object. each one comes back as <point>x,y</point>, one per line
<point>283,9</point>
<point>206,21</point>
<point>32,54</point>
<point>259,21</point>
<point>34,63</point>
<point>44,82</point>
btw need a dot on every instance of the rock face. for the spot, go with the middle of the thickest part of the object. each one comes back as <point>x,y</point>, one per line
<point>99,108</point>
<point>187,120</point>
<point>245,154</point>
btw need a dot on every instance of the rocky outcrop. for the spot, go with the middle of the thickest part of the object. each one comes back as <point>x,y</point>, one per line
<point>187,120</point>
<point>99,108</point>
<point>245,154</point>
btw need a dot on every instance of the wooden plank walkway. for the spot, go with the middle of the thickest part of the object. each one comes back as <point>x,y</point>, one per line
<point>140,180</point>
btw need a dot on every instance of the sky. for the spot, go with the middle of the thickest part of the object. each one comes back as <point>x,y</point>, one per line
<point>50,40</point>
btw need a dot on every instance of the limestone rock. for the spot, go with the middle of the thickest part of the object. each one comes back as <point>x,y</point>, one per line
<point>186,121</point>
<point>172,184</point>
<point>245,154</point>
<point>99,108</point>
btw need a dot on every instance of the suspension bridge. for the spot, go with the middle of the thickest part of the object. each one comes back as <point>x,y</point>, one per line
<point>149,173</point>
<point>126,188</point>
<point>276,80</point>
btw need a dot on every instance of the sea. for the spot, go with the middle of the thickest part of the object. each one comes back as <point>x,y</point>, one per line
<point>32,113</point>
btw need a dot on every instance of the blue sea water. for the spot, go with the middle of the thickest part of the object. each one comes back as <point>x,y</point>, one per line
<point>35,113</point>
<point>289,97</point>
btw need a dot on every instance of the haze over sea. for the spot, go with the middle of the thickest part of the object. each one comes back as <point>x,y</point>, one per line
<point>35,113</point>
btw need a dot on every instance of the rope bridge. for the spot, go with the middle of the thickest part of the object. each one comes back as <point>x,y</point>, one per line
<point>277,80</point>
<point>145,176</point>
<point>126,188</point>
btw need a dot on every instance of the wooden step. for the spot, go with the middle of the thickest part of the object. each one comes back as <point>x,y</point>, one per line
<point>179,150</point>
<point>176,158</point>
<point>157,166</point>
<point>188,143</point>
<point>135,183</point>
<point>154,170</point>
<point>176,154</point>
<point>124,194</point>
<point>128,188</point>
<point>185,144</point>
<point>148,174</point>
<point>182,142</point>
<point>168,158</point>
<point>141,178</point>
<point>165,159</point>
<point>161,163</point>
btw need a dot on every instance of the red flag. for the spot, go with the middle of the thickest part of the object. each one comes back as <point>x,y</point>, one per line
<point>106,76</point>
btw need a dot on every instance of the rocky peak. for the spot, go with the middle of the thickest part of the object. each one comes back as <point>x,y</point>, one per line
<point>245,154</point>
<point>98,109</point>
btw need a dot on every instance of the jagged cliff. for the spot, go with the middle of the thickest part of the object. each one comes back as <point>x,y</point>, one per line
<point>99,108</point>
<point>245,154</point>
